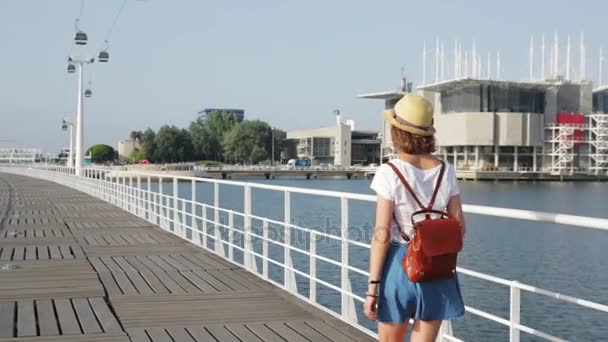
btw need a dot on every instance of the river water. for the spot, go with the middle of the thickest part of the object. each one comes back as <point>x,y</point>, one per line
<point>568,260</point>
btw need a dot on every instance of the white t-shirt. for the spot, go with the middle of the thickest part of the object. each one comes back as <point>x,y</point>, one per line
<point>387,185</point>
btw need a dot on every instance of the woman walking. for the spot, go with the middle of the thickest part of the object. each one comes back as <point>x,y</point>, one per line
<point>403,186</point>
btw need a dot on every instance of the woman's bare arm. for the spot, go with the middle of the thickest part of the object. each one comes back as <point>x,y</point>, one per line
<point>381,239</point>
<point>455,211</point>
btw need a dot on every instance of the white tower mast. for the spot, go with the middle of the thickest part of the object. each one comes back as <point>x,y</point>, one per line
<point>442,61</point>
<point>489,65</point>
<point>568,52</point>
<point>531,58</point>
<point>543,76</point>
<point>498,65</point>
<point>424,63</point>
<point>556,55</point>
<point>437,60</point>
<point>601,76</point>
<point>582,57</point>
<point>455,59</point>
<point>474,61</point>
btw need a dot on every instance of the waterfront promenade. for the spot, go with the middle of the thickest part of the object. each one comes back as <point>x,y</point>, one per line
<point>76,268</point>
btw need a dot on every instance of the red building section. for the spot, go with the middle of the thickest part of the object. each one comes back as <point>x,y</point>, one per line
<point>573,119</point>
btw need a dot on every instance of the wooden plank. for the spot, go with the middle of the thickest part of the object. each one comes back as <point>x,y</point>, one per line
<point>154,282</point>
<point>86,317</point>
<point>124,265</point>
<point>67,318</point>
<point>7,314</point>
<point>124,283</point>
<point>55,253</point>
<point>7,253</point>
<point>183,282</point>
<point>138,335</point>
<point>180,334</point>
<point>26,318</point>
<point>242,333</point>
<point>78,253</point>
<point>140,284</point>
<point>161,263</point>
<point>201,335</point>
<point>330,331</point>
<point>220,286</point>
<point>151,265</point>
<point>158,334</point>
<point>263,332</point>
<point>224,278</point>
<point>307,331</point>
<point>221,333</point>
<point>43,253</point>
<point>286,332</point>
<point>201,284</point>
<point>109,283</point>
<point>170,283</point>
<point>106,318</point>
<point>66,252</point>
<point>30,253</point>
<point>47,322</point>
<point>19,253</point>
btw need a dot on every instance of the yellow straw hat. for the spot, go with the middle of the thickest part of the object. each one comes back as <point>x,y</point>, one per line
<point>413,114</point>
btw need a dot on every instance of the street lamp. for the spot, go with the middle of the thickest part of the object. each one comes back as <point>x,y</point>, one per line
<point>64,126</point>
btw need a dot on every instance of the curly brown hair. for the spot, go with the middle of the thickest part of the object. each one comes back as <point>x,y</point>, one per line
<point>409,143</point>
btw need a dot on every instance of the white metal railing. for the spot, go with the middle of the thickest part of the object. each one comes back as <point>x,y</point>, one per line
<point>133,191</point>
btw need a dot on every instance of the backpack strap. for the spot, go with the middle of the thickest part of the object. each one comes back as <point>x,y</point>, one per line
<point>406,184</point>
<point>436,190</point>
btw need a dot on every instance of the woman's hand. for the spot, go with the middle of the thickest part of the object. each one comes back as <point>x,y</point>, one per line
<point>369,307</point>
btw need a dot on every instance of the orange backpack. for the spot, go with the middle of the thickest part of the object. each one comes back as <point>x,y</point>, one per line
<point>433,251</point>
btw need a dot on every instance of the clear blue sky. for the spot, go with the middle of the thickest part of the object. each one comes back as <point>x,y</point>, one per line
<point>284,61</point>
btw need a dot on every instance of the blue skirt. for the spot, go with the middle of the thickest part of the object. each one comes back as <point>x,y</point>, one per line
<point>399,299</point>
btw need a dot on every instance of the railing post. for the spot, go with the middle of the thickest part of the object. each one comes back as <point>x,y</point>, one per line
<point>204,236</point>
<point>160,203</point>
<point>265,249</point>
<point>347,303</point>
<point>216,220</point>
<point>248,259</point>
<point>193,209</point>
<point>514,312</point>
<point>123,197</point>
<point>139,198</point>
<point>149,205</point>
<point>176,226</point>
<point>289,277</point>
<point>230,235</point>
<point>313,267</point>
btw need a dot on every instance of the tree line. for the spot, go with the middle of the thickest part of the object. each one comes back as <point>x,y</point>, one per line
<point>217,136</point>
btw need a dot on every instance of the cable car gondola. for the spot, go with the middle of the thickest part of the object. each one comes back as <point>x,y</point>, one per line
<point>88,93</point>
<point>103,56</point>
<point>71,68</point>
<point>80,38</point>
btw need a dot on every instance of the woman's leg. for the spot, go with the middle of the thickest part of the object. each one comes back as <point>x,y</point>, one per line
<point>425,331</point>
<point>391,332</point>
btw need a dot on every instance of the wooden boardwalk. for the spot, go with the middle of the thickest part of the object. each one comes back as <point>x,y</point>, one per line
<point>74,268</point>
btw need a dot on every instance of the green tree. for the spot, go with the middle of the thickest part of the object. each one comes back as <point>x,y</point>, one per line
<point>249,141</point>
<point>173,145</point>
<point>136,136</point>
<point>148,141</point>
<point>101,153</point>
<point>137,155</point>
<point>207,134</point>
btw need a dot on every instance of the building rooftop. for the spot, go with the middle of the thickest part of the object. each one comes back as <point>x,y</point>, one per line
<point>385,95</point>
<point>467,82</point>
<point>601,89</point>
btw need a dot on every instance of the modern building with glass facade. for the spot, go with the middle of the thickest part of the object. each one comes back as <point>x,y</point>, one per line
<point>513,127</point>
